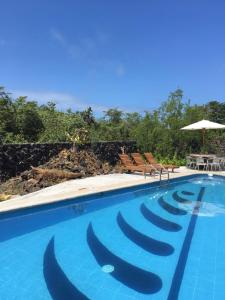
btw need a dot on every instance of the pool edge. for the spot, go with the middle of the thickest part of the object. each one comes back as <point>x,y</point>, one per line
<point>88,195</point>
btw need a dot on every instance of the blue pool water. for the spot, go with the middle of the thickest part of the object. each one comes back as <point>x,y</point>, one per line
<point>141,243</point>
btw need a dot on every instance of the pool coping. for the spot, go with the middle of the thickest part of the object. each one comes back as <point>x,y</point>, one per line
<point>91,195</point>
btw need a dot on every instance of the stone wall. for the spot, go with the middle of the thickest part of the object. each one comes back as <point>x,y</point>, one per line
<point>16,158</point>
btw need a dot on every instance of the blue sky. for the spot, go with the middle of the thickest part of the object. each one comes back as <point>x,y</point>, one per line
<point>124,53</point>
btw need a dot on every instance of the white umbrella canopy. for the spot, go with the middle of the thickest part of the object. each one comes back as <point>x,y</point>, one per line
<point>203,125</point>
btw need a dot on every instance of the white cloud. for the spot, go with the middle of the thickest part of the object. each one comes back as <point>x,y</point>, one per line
<point>83,48</point>
<point>64,101</point>
<point>56,35</point>
<point>87,49</point>
<point>106,66</point>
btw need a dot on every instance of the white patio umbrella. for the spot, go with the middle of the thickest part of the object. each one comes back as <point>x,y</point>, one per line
<point>203,125</point>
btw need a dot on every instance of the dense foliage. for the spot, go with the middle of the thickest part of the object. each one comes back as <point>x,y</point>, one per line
<point>157,131</point>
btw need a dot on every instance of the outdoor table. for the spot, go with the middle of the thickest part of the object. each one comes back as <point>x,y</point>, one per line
<point>207,158</point>
<point>202,155</point>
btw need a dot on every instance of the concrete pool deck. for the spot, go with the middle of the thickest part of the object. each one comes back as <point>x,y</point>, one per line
<point>87,186</point>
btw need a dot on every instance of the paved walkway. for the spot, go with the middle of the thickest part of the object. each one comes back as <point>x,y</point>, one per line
<point>87,186</point>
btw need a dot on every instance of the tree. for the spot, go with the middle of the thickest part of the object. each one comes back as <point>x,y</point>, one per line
<point>7,114</point>
<point>156,131</point>
<point>113,115</point>
<point>216,111</point>
<point>88,116</point>
<point>28,121</point>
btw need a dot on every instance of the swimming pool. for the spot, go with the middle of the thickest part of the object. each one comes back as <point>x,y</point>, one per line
<point>145,242</point>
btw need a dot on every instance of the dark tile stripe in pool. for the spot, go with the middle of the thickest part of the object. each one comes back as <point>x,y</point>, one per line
<point>171,209</point>
<point>187,193</point>
<point>138,279</point>
<point>147,243</point>
<point>158,221</point>
<point>179,199</point>
<point>59,286</point>
<point>179,271</point>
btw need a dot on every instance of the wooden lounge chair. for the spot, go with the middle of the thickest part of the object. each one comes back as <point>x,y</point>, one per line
<point>150,158</point>
<point>139,161</point>
<point>128,165</point>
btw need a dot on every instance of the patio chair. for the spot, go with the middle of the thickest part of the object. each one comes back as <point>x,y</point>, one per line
<point>190,162</point>
<point>150,158</point>
<point>200,162</point>
<point>222,162</point>
<point>128,165</point>
<point>215,164</point>
<point>138,159</point>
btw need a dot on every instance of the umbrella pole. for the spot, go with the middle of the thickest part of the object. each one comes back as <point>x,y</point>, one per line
<point>203,137</point>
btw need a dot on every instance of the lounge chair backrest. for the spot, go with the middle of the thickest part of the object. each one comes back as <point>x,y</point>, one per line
<point>150,158</point>
<point>138,158</point>
<point>125,159</point>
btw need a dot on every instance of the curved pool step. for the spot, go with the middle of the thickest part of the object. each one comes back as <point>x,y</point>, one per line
<point>187,193</point>
<point>145,242</point>
<point>159,221</point>
<point>179,199</point>
<point>171,209</point>
<point>135,278</point>
<point>59,286</point>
